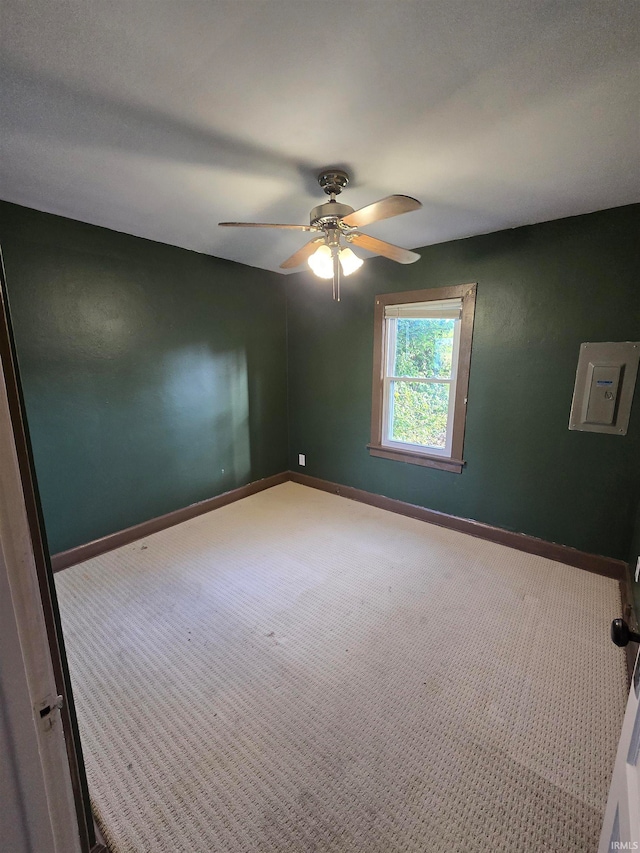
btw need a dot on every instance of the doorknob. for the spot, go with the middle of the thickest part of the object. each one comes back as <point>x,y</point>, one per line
<point>621,634</point>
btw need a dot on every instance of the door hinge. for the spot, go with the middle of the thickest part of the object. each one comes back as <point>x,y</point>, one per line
<point>47,710</point>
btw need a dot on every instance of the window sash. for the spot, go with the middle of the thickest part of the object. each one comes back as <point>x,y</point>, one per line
<point>390,336</point>
<point>434,310</point>
<point>439,380</point>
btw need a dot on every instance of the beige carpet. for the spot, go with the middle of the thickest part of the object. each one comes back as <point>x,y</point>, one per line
<point>298,672</point>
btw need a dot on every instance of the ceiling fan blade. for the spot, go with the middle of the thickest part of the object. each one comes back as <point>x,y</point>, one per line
<point>302,254</point>
<point>387,250</point>
<point>267,225</point>
<point>392,205</point>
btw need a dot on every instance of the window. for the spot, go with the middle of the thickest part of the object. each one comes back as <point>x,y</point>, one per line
<point>422,350</point>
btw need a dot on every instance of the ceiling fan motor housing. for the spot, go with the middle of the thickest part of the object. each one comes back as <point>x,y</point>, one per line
<point>330,212</point>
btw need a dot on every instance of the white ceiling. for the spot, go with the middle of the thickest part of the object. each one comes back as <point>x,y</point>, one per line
<point>162,118</point>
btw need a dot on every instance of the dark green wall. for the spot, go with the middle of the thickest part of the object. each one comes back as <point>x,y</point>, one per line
<point>542,290</point>
<point>146,369</point>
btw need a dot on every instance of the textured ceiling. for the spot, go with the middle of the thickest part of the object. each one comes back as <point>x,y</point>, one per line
<point>162,118</point>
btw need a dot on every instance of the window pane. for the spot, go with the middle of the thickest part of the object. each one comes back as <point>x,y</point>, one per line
<point>424,348</point>
<point>419,413</point>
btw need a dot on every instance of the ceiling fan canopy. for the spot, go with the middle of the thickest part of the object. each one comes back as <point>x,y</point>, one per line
<point>338,223</point>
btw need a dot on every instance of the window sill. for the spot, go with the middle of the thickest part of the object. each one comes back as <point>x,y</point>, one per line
<point>413,457</point>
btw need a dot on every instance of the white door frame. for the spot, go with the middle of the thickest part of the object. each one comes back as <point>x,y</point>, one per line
<point>621,825</point>
<point>44,781</point>
<point>40,775</point>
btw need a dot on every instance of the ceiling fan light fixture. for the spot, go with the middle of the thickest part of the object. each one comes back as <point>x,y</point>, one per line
<point>321,262</point>
<point>349,261</point>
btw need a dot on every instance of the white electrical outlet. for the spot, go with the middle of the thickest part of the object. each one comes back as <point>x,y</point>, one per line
<point>302,460</point>
<point>637,569</point>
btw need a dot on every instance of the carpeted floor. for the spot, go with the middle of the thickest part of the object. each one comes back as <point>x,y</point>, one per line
<point>298,672</point>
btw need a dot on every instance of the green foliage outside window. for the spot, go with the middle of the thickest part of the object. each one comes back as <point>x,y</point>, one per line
<point>424,349</point>
<point>420,413</point>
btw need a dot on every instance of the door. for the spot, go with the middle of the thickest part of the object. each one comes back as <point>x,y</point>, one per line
<point>621,828</point>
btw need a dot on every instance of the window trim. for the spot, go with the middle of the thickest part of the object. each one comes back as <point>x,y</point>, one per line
<point>412,454</point>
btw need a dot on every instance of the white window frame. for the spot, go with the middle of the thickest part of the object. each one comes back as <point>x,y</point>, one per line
<point>391,324</point>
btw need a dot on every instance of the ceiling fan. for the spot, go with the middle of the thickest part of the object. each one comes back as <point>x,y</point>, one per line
<point>338,224</point>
